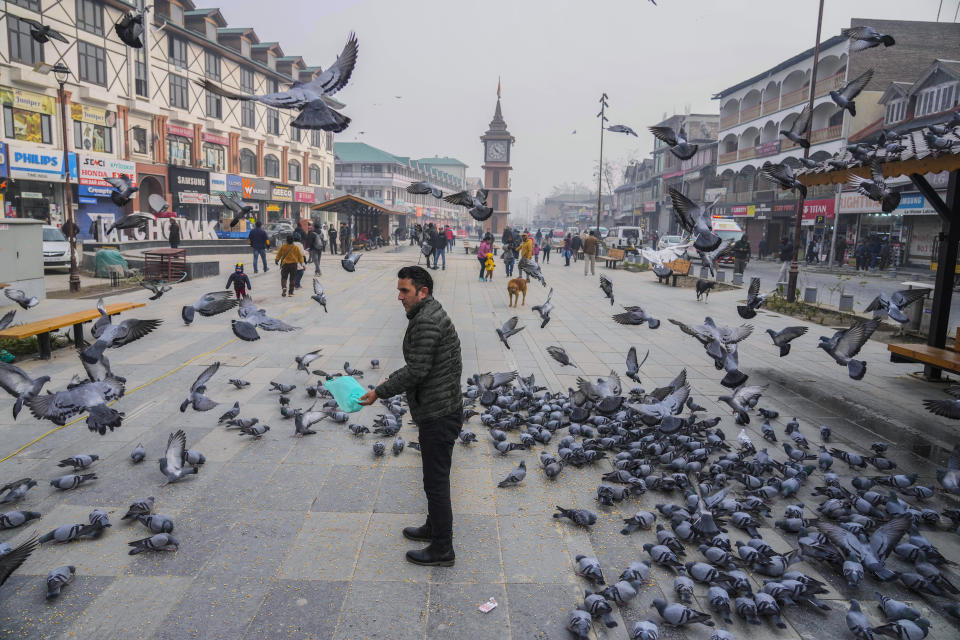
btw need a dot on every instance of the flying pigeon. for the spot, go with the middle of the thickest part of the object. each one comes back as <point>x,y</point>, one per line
<point>240,210</point>
<point>703,288</point>
<point>799,129</point>
<point>875,188</point>
<point>303,420</point>
<point>635,315</point>
<point>59,578</point>
<point>21,299</point>
<point>696,220</point>
<point>896,303</point>
<point>622,128</point>
<point>742,400</point>
<point>250,318</point>
<point>318,295</point>
<point>156,287</point>
<point>755,300</point>
<point>349,263</point>
<point>607,287</point>
<point>86,397</point>
<point>866,37</point>
<point>846,343</point>
<point>676,141</point>
<point>424,187</point>
<point>174,460</point>
<point>633,367</point>
<point>42,33</point>
<point>10,562</point>
<point>782,175</point>
<point>18,384</point>
<point>7,319</point>
<point>509,329</point>
<point>477,204</point>
<point>844,97</point>
<point>560,355</point>
<point>130,27</point>
<point>304,360</point>
<point>544,309</point>
<point>783,338</point>
<point>668,254</point>
<point>209,304</point>
<point>117,335</point>
<point>197,399</point>
<point>122,194</point>
<point>532,269</point>
<point>709,258</point>
<point>309,98</point>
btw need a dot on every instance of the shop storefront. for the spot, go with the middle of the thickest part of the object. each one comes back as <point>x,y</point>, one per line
<point>93,128</point>
<point>816,225</point>
<point>213,153</point>
<point>3,179</point>
<point>92,192</point>
<point>281,207</point>
<point>35,185</point>
<point>256,193</point>
<point>911,228</point>
<point>190,189</point>
<point>179,145</point>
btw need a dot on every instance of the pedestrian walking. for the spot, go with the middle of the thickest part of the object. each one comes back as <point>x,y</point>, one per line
<point>488,266</point>
<point>786,257</point>
<point>509,259</point>
<point>545,250</point>
<point>741,254</point>
<point>396,237</point>
<point>762,248</point>
<point>449,234</point>
<point>538,239</point>
<point>526,250</point>
<point>440,250</point>
<point>258,242</point>
<point>576,244</point>
<point>567,249</point>
<point>332,233</point>
<point>482,251</point>
<point>590,246</point>
<point>536,253</point>
<point>315,244</point>
<point>301,266</point>
<point>173,234</point>
<point>288,257</point>
<point>811,251</point>
<point>431,380</point>
<point>240,281</point>
<point>344,239</point>
<point>69,229</point>
<point>430,237</point>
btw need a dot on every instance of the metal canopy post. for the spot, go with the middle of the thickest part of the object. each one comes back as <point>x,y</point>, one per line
<point>946,260</point>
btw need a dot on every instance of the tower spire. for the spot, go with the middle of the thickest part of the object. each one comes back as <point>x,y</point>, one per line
<point>498,88</point>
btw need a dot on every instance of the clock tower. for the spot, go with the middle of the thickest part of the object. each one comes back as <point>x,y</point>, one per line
<point>497,142</point>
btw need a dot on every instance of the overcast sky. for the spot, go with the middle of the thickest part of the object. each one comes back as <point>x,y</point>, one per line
<point>555,58</point>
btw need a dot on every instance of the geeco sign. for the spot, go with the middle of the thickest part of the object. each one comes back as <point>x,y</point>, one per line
<point>95,168</point>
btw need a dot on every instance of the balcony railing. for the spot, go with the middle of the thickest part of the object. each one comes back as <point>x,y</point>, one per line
<point>828,84</point>
<point>730,156</point>
<point>795,97</point>
<point>771,106</point>
<point>729,121</point>
<point>746,115</point>
<point>825,134</point>
<point>746,154</point>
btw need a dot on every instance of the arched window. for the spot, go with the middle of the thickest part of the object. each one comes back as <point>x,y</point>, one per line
<point>248,161</point>
<point>315,176</point>
<point>271,166</point>
<point>293,171</point>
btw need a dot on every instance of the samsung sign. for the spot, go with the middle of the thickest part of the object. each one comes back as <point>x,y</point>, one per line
<point>189,180</point>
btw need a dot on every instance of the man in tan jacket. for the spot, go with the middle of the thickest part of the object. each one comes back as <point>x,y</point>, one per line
<point>288,257</point>
<point>590,245</point>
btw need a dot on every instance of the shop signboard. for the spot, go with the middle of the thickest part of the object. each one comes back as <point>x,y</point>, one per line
<point>94,191</point>
<point>255,189</point>
<point>218,184</point>
<point>26,112</point>
<point>713,193</point>
<point>282,193</point>
<point>92,115</point>
<point>38,163</point>
<point>3,159</point>
<point>188,180</point>
<point>234,183</point>
<point>176,130</point>
<point>189,197</point>
<point>649,207</point>
<point>216,138</point>
<point>814,208</point>
<point>304,194</point>
<point>767,149</point>
<point>96,167</point>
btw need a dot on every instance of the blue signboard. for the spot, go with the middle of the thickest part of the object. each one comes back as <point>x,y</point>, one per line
<point>234,183</point>
<point>94,191</point>
<point>912,200</point>
<point>3,159</point>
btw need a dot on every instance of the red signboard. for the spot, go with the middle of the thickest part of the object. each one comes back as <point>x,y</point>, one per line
<point>303,194</point>
<point>175,130</point>
<point>814,208</point>
<point>649,207</point>
<point>215,138</point>
<point>767,149</point>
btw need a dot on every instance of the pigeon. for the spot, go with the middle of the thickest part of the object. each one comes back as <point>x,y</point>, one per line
<point>117,335</point>
<point>678,615</point>
<point>42,33</point>
<point>671,404</point>
<point>18,384</point>
<point>197,399</point>
<point>604,393</point>
<point>122,194</point>
<point>635,315</point>
<point>620,592</point>
<point>936,142</point>
<point>156,287</point>
<point>509,329</point>
<point>378,449</point>
<point>374,364</point>
<point>866,37</point>
<point>349,262</point>
<point>11,561</point>
<point>844,97</point>
<point>239,383</point>
<point>949,479</point>
<point>72,481</point>
<point>209,304</point>
<point>532,270</point>
<point>303,420</point>
<point>476,204</point>
<point>99,521</point>
<point>14,519</point>
<point>607,287</point>
<point>231,414</point>
<point>645,629</point>
<point>895,304</point>
<point>86,397</point>
<point>847,343</point>
<point>350,371</point>
<point>716,340</point>
<point>876,188</point>
<point>304,360</point>
<point>622,128</point>
<point>581,517</point>
<point>67,533</point>
<point>660,256</point>
<point>515,477</point>
<point>905,629</point>
<point>703,288</point>
<point>755,300</point>
<point>241,423</point>
<point>130,27</point>
<point>580,623</point>
<point>251,318</point>
<point>544,309</point>
<point>156,542</point>
<point>742,400</point>
<point>21,298</point>
<point>424,188</point>
<point>59,578</point>
<point>709,258</point>
<point>782,175</point>
<point>156,523</point>
<point>398,445</point>
<point>783,337</point>
<point>870,554</point>
<point>318,295</point>
<point>7,319</point>
<point>696,220</point>
<point>800,129</point>
<point>676,141</point>
<point>309,98</point>
<point>173,463</point>
<point>139,508</point>
<point>598,606</point>
<point>256,431</point>
<point>633,367</point>
<point>560,355</point>
<point>80,461</point>
<point>239,210</point>
<point>17,490</point>
<point>640,520</point>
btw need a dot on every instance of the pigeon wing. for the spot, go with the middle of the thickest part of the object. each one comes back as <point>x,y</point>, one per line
<point>855,337</point>
<point>14,380</point>
<point>176,451</point>
<point>317,287</point>
<point>791,333</point>
<point>686,210</point>
<point>133,329</point>
<point>676,399</point>
<point>462,198</point>
<point>886,536</point>
<point>205,376</point>
<point>875,305</point>
<point>664,134</point>
<point>273,324</point>
<point>855,86</point>
<point>732,335</point>
<point>10,562</point>
<point>231,204</point>
<point>510,325</point>
<point>754,289</point>
<point>802,122</point>
<point>338,74</point>
<point>244,330</point>
<point>119,184</point>
<point>907,297</point>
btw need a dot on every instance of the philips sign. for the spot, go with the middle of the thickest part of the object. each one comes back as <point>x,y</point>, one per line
<point>38,164</point>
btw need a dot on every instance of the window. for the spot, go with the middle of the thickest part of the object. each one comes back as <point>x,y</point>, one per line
<point>140,72</point>
<point>93,63</point>
<point>90,16</point>
<point>179,92</point>
<point>212,65</point>
<point>273,122</point>
<point>248,161</point>
<point>271,166</point>
<point>23,48</point>
<point>248,111</point>
<point>214,157</point>
<point>294,133</point>
<point>178,51</point>
<point>272,85</point>
<point>936,99</point>
<point>316,176</point>
<point>211,31</point>
<point>33,5</point>
<point>293,172</point>
<point>176,13</point>
<point>29,126</point>
<point>244,47</point>
<point>896,111</point>
<point>179,150</point>
<point>329,178</point>
<point>316,138</point>
<point>329,145</point>
<point>139,140</point>
<point>214,106</point>
<point>92,137</point>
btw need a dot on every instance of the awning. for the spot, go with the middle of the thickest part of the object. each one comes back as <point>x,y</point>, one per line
<point>355,205</point>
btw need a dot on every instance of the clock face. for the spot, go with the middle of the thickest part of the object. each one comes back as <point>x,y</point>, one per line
<point>497,151</point>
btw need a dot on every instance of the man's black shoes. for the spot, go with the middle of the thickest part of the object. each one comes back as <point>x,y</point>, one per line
<point>438,554</point>
<point>420,534</point>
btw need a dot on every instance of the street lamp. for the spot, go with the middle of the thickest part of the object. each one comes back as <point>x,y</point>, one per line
<point>62,73</point>
<point>603,119</point>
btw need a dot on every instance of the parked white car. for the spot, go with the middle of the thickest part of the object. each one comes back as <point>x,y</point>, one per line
<point>56,248</point>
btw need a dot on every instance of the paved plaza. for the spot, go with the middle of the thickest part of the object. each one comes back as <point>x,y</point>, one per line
<point>300,538</point>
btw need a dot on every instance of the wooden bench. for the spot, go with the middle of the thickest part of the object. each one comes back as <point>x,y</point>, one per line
<point>678,267</point>
<point>42,328</point>
<point>467,246</point>
<point>612,258</point>
<point>945,359</point>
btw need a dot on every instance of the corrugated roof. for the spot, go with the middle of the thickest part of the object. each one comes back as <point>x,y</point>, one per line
<point>444,160</point>
<point>363,152</point>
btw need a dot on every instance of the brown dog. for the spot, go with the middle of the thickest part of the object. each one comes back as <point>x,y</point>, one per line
<point>515,287</point>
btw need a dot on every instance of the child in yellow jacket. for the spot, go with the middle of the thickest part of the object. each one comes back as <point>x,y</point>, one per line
<point>489,265</point>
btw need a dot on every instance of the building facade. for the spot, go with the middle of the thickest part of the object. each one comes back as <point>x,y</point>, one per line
<point>139,112</point>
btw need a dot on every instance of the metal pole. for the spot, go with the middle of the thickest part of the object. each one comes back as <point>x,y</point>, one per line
<point>603,118</point>
<point>794,267</point>
<point>836,223</point>
<point>74,273</point>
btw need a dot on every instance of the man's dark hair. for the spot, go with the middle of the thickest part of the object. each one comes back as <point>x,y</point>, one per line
<point>259,224</point>
<point>418,276</point>
<point>289,238</point>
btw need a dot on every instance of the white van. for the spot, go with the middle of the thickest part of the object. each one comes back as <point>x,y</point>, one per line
<point>621,237</point>
<point>727,229</point>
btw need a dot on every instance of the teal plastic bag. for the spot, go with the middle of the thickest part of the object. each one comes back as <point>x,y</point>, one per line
<point>346,391</point>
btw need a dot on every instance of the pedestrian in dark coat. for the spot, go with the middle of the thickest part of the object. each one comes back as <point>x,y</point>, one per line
<point>173,234</point>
